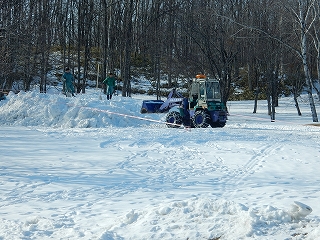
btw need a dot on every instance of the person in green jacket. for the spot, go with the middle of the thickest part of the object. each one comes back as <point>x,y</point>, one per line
<point>2,96</point>
<point>69,81</point>
<point>110,83</point>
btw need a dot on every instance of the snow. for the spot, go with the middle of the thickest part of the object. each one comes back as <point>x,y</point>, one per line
<point>89,168</point>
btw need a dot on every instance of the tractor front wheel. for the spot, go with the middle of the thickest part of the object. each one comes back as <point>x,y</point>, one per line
<point>173,119</point>
<point>201,119</point>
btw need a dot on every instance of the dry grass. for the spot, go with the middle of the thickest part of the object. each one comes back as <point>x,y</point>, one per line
<point>313,124</point>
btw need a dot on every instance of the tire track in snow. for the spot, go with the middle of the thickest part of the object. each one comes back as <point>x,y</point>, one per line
<point>255,163</point>
<point>163,165</point>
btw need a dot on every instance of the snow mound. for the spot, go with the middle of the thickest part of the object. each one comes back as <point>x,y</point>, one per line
<point>82,111</point>
<point>202,219</point>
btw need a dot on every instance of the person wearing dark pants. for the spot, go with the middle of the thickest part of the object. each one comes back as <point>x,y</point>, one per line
<point>110,83</point>
<point>69,81</point>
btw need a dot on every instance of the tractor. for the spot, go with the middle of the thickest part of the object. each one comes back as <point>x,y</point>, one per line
<point>201,109</point>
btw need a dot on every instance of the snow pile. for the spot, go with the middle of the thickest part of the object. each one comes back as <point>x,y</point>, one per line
<point>204,219</point>
<point>201,218</point>
<point>83,111</point>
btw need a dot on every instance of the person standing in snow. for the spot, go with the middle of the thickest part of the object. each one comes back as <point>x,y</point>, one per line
<point>110,83</point>
<point>2,96</point>
<point>69,81</point>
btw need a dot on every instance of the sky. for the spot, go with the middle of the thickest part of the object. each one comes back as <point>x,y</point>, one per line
<point>87,168</point>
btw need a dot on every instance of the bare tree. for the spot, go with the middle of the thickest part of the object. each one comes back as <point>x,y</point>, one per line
<point>303,16</point>
<point>129,6</point>
<point>315,34</point>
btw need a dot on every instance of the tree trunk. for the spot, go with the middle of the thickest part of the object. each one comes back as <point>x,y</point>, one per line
<point>126,90</point>
<point>295,97</point>
<point>256,91</point>
<point>305,61</point>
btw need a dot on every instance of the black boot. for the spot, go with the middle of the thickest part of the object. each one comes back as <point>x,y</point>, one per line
<point>108,96</point>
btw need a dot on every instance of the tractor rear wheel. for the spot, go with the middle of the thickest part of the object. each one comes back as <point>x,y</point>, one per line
<point>201,119</point>
<point>173,119</point>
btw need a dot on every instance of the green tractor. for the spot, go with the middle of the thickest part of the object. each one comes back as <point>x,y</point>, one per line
<point>201,109</point>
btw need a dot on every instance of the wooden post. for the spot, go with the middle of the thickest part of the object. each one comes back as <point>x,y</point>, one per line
<point>98,72</point>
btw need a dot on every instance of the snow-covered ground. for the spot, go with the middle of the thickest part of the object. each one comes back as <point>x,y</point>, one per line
<point>88,168</point>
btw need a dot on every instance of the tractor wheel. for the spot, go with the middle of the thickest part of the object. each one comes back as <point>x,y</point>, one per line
<point>173,119</point>
<point>143,110</point>
<point>201,119</point>
<point>217,124</point>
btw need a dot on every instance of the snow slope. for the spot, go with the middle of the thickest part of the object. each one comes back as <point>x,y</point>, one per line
<point>88,168</point>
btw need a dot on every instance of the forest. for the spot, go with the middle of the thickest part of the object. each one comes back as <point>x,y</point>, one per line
<point>259,49</point>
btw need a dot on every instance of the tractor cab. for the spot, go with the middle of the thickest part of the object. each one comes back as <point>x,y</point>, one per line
<point>204,92</point>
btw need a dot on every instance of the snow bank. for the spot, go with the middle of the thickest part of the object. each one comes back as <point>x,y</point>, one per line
<point>200,218</point>
<point>82,111</point>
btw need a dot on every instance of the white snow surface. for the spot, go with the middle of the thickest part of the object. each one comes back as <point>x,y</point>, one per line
<point>89,168</point>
